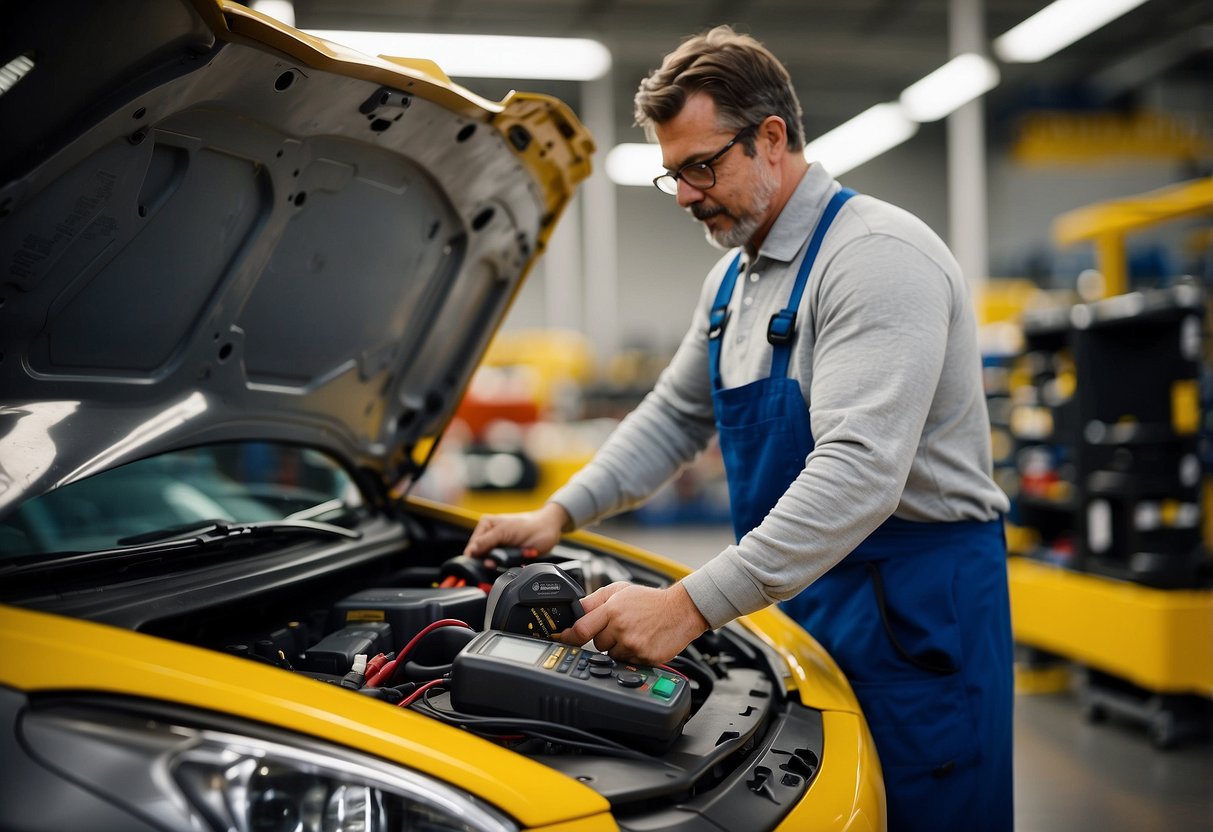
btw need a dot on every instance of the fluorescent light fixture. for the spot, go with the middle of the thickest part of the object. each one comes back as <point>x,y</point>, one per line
<point>874,131</point>
<point>1056,26</point>
<point>633,163</point>
<point>485,56</point>
<point>950,87</point>
<point>283,10</point>
<point>14,71</point>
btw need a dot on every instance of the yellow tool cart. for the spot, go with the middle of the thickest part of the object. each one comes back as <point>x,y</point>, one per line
<point>1110,568</point>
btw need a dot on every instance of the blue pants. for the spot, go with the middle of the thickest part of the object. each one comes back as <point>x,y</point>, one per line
<point>919,621</point>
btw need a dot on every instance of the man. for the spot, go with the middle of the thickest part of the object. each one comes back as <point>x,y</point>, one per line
<point>834,356</point>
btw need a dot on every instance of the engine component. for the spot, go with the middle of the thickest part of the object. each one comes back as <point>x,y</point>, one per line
<point>409,611</point>
<point>335,652</point>
<point>464,571</point>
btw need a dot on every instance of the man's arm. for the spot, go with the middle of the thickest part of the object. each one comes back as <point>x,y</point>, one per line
<point>881,329</point>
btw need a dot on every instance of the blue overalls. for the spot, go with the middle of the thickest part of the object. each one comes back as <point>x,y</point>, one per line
<point>916,616</point>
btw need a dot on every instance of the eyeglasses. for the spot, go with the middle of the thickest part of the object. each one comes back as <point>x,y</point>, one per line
<point>699,175</point>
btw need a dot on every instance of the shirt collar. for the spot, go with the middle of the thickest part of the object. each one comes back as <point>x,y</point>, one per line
<point>798,217</point>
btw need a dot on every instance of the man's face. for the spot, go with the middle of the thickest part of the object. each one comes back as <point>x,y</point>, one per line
<point>740,201</point>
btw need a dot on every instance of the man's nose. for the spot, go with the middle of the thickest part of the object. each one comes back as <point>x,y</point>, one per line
<point>688,195</point>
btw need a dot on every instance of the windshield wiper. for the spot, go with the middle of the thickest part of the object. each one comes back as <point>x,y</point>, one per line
<point>201,531</point>
<point>199,535</point>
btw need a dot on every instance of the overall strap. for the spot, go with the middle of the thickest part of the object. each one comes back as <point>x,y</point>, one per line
<point>719,316</point>
<point>782,328</point>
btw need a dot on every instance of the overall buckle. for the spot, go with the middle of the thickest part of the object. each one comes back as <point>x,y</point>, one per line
<point>716,322</point>
<point>782,327</point>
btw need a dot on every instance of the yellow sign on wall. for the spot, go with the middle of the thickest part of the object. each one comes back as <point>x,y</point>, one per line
<point>1062,137</point>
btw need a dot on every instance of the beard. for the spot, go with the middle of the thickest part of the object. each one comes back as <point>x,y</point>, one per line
<point>745,222</point>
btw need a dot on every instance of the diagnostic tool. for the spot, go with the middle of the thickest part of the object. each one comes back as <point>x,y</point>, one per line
<point>507,674</point>
<point>539,599</point>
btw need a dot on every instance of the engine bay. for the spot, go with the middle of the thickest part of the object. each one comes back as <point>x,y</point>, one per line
<point>397,623</point>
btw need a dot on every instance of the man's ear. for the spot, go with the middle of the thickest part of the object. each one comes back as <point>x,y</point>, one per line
<point>775,131</point>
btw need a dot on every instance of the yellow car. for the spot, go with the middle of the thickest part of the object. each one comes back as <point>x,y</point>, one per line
<point>247,276</point>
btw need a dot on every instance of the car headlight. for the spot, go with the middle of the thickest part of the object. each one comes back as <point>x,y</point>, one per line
<point>180,775</point>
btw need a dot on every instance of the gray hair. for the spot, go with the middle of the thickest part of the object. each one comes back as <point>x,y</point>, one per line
<point>741,76</point>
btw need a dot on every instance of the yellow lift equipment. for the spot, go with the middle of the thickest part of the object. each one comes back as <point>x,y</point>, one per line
<point>1159,640</point>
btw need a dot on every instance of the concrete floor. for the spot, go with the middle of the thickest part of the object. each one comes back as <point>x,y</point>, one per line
<point>1070,775</point>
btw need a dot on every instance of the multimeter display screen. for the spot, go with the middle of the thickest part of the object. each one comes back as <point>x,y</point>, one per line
<point>528,651</point>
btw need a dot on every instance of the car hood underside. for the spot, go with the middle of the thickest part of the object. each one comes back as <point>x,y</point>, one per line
<point>214,227</point>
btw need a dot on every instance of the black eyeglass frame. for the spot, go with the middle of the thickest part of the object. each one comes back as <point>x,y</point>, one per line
<point>705,166</point>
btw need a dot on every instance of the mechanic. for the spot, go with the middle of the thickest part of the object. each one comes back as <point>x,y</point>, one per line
<point>833,354</point>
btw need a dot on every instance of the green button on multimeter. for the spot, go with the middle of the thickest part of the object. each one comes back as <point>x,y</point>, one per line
<point>665,687</point>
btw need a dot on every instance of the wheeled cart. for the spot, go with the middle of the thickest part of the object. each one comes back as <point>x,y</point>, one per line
<point>1147,653</point>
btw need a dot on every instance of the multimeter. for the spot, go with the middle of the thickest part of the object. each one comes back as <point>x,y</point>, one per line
<point>508,674</point>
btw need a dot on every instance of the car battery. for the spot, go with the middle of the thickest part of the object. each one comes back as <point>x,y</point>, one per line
<point>409,610</point>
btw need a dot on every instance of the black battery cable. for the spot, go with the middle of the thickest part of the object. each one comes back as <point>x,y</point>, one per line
<point>551,732</point>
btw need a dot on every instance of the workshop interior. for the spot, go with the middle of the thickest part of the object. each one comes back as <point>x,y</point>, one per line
<point>294,292</point>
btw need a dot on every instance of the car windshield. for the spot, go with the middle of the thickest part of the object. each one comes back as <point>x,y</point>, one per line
<point>245,482</point>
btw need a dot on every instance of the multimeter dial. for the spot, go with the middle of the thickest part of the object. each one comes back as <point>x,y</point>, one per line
<point>543,622</point>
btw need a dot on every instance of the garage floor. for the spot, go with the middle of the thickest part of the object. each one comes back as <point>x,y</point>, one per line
<point>1069,774</point>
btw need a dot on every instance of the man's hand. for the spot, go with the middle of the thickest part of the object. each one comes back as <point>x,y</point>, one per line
<point>539,530</point>
<point>637,623</point>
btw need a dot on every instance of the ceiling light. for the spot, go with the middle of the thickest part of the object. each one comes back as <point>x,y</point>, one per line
<point>1056,26</point>
<point>283,10</point>
<point>485,56</point>
<point>871,133</point>
<point>14,71</point>
<point>950,87</point>
<point>633,163</point>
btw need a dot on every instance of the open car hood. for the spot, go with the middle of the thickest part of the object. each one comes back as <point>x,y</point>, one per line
<point>213,226</point>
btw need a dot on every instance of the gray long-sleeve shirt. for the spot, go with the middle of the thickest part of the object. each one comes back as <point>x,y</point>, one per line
<point>887,360</point>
